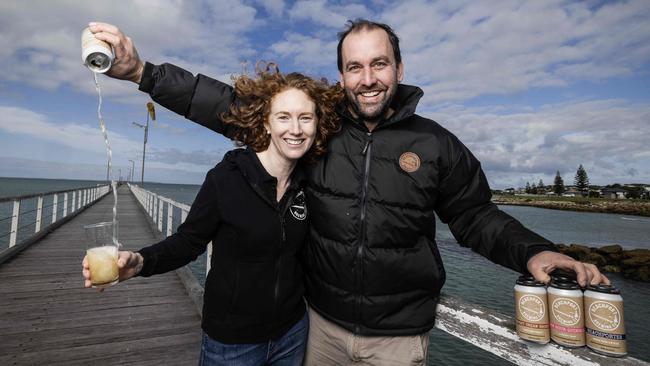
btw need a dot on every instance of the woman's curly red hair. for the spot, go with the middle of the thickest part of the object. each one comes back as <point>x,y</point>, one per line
<point>253,106</point>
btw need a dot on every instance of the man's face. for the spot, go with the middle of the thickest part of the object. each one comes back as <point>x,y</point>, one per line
<point>370,74</point>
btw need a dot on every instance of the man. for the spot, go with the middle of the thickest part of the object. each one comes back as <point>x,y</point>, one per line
<point>373,270</point>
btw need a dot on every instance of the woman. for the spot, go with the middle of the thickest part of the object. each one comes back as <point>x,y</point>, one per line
<point>251,206</point>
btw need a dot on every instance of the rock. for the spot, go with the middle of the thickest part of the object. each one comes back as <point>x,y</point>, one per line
<point>610,249</point>
<point>639,274</point>
<point>614,258</point>
<point>561,247</point>
<point>635,258</point>
<point>596,259</point>
<point>637,261</point>
<point>612,253</point>
<point>577,252</point>
<point>636,253</point>
<point>636,264</point>
<point>610,268</point>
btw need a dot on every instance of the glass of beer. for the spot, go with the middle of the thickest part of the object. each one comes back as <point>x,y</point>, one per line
<point>102,253</point>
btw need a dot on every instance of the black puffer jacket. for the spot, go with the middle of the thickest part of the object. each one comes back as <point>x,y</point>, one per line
<point>254,290</point>
<point>372,263</point>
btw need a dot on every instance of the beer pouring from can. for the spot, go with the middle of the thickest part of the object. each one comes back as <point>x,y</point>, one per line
<point>97,55</point>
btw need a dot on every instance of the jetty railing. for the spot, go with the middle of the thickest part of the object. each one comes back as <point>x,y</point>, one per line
<point>165,213</point>
<point>45,212</point>
<point>482,327</point>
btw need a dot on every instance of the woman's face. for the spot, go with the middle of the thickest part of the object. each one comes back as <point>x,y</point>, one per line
<point>292,124</point>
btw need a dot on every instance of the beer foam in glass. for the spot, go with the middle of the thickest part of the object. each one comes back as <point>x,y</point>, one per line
<point>102,253</point>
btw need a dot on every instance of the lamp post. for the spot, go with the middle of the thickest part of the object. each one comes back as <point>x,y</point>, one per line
<point>150,112</point>
<point>132,168</point>
<point>144,146</point>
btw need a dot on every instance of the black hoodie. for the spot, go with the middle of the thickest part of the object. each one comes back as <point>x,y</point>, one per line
<point>254,290</point>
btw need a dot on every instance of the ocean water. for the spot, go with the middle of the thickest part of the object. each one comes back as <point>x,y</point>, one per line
<point>470,276</point>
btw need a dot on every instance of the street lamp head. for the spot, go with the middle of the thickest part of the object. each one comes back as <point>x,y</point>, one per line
<point>152,111</point>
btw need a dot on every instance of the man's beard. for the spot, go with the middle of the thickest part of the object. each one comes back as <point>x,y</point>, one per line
<point>376,115</point>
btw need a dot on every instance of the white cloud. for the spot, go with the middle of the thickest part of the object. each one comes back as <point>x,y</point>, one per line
<point>273,7</point>
<point>457,51</point>
<point>322,13</point>
<point>608,136</point>
<point>78,136</point>
<point>310,52</point>
<point>198,159</point>
<point>85,138</point>
<point>40,41</point>
<point>454,50</point>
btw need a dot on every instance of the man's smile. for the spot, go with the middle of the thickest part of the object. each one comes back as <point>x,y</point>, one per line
<point>370,96</point>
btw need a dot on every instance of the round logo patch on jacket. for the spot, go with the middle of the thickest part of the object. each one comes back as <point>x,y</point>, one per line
<point>409,162</point>
<point>298,207</point>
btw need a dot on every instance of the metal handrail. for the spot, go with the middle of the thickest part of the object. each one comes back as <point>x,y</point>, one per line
<point>153,205</point>
<point>80,198</point>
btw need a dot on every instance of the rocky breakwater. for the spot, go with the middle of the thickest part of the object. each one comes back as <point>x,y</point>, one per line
<point>622,207</point>
<point>633,264</point>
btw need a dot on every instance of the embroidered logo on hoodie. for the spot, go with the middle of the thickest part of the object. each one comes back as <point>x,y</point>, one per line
<point>298,207</point>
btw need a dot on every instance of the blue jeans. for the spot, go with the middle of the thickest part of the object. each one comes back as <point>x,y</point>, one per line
<point>288,350</point>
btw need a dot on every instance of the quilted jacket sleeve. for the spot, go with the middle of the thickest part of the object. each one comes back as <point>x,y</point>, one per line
<point>465,204</point>
<point>198,98</point>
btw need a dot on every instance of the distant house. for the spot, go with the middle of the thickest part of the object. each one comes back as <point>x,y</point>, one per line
<point>572,192</point>
<point>615,193</point>
<point>510,191</point>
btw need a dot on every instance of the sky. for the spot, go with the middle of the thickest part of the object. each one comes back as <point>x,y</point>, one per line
<point>531,87</point>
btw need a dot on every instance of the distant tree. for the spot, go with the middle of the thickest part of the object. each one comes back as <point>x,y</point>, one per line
<point>581,180</point>
<point>558,184</point>
<point>634,192</point>
<point>539,188</point>
<point>527,190</point>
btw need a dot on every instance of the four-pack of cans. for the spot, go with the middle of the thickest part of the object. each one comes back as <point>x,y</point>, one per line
<point>570,317</point>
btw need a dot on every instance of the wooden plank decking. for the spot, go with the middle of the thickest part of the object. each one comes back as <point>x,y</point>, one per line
<point>47,317</point>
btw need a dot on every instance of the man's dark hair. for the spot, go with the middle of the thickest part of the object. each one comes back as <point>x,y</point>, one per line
<point>364,24</point>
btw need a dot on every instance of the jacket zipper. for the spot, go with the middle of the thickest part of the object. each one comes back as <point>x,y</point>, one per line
<point>278,262</point>
<point>276,294</point>
<point>367,152</point>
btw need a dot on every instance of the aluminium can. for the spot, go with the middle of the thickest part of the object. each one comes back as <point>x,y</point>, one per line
<point>96,54</point>
<point>566,314</point>
<point>531,310</point>
<point>605,321</point>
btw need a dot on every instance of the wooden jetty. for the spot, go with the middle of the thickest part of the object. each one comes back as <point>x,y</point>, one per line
<point>47,317</point>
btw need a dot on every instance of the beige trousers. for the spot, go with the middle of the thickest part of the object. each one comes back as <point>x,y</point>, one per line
<point>329,344</point>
